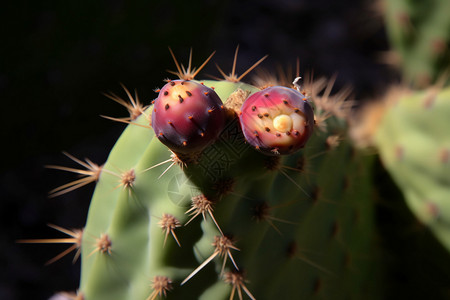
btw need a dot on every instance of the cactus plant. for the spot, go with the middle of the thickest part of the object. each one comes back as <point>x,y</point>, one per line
<point>419,32</point>
<point>414,147</point>
<point>240,194</point>
<point>407,127</point>
<point>221,219</point>
<point>230,195</point>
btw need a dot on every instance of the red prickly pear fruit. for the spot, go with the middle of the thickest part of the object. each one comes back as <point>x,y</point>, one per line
<point>277,120</point>
<point>187,116</point>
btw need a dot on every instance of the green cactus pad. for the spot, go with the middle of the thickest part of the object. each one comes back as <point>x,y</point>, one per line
<point>295,227</point>
<point>420,33</point>
<point>414,145</point>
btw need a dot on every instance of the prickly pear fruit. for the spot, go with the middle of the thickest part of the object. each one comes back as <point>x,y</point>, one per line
<point>187,116</point>
<point>277,120</point>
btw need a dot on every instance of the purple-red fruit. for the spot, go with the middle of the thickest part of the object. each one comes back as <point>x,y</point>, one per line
<point>277,120</point>
<point>187,116</point>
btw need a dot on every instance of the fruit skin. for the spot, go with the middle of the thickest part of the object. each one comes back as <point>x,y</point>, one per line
<point>277,120</point>
<point>187,116</point>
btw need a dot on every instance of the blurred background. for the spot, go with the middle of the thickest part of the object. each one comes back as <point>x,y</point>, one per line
<point>58,57</point>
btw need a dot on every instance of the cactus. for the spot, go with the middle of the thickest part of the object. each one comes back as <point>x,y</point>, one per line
<point>240,195</point>
<point>419,32</point>
<point>221,219</point>
<point>414,145</point>
<point>407,127</point>
<point>211,194</point>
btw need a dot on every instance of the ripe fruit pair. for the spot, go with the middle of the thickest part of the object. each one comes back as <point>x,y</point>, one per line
<point>188,116</point>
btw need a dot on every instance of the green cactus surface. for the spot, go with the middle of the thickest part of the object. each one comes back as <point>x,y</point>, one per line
<point>232,222</point>
<point>419,31</point>
<point>414,145</point>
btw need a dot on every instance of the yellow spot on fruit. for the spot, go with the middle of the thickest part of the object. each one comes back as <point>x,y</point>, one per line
<point>178,91</point>
<point>282,123</point>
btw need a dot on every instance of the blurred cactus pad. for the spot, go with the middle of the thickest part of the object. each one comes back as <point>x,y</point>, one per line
<point>419,32</point>
<point>415,148</point>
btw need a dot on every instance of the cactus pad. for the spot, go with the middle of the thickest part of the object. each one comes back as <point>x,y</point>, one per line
<point>420,33</point>
<point>233,222</point>
<point>414,144</point>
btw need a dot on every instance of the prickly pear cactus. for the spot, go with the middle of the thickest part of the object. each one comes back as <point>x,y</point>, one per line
<point>410,130</point>
<point>414,144</point>
<point>224,190</point>
<point>420,33</point>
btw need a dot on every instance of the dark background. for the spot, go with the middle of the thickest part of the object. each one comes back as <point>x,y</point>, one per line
<point>57,57</point>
